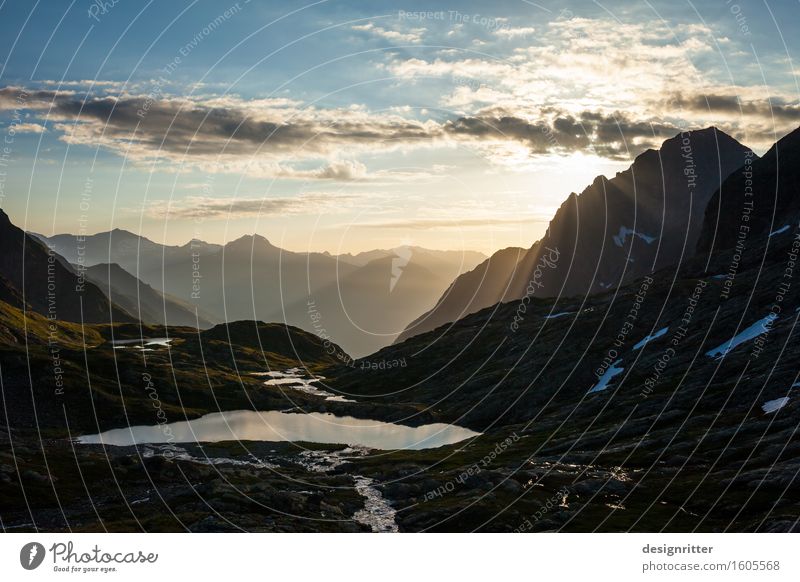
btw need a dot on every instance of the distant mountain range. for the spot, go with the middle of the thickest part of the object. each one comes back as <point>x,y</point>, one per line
<point>362,301</point>
<point>645,218</point>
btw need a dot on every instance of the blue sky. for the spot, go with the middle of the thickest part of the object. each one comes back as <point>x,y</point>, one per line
<point>344,126</point>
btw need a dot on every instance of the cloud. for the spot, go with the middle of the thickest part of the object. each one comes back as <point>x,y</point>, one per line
<point>20,98</point>
<point>605,66</point>
<point>608,135</point>
<point>205,208</point>
<point>636,91</point>
<point>413,35</point>
<point>513,33</point>
<point>268,138</point>
<point>343,171</point>
<point>772,108</point>
<point>467,68</point>
<point>448,223</point>
<point>229,134</point>
<point>276,138</point>
<point>28,128</point>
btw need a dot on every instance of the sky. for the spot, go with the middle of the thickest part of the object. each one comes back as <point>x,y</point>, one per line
<point>345,126</point>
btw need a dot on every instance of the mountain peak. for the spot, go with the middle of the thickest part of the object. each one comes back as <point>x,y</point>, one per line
<point>122,232</point>
<point>789,141</point>
<point>250,241</point>
<point>775,177</point>
<point>707,133</point>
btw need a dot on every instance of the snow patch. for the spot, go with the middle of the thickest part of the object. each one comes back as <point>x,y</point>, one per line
<point>607,376</point>
<point>760,327</point>
<point>556,315</point>
<point>650,338</point>
<point>771,406</point>
<point>624,232</point>
<point>781,230</point>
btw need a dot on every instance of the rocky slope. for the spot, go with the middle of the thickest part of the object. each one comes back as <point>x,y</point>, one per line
<point>37,278</point>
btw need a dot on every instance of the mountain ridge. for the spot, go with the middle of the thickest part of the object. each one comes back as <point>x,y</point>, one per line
<point>615,230</point>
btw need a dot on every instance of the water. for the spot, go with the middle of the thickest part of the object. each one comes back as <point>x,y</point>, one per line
<point>293,379</point>
<point>248,425</point>
<point>141,343</point>
<point>377,514</point>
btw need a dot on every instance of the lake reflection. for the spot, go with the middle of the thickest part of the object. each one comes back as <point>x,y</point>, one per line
<point>314,427</point>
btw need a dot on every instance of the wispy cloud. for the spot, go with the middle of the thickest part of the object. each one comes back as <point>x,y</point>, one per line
<point>514,32</point>
<point>206,208</point>
<point>450,223</point>
<point>413,35</point>
<point>29,128</point>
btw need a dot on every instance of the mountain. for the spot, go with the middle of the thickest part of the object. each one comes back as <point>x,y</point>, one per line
<point>33,274</point>
<point>486,284</point>
<point>692,428</point>
<point>643,219</point>
<point>761,198</point>
<point>140,299</point>
<point>365,300</point>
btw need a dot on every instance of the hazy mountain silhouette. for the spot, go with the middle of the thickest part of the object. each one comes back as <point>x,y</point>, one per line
<point>375,301</point>
<point>365,300</point>
<point>140,299</point>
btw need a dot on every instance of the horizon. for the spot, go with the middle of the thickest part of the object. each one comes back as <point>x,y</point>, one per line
<point>350,128</point>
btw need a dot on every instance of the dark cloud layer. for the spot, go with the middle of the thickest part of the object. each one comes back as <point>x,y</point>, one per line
<point>172,128</point>
<point>776,109</point>
<point>612,136</point>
